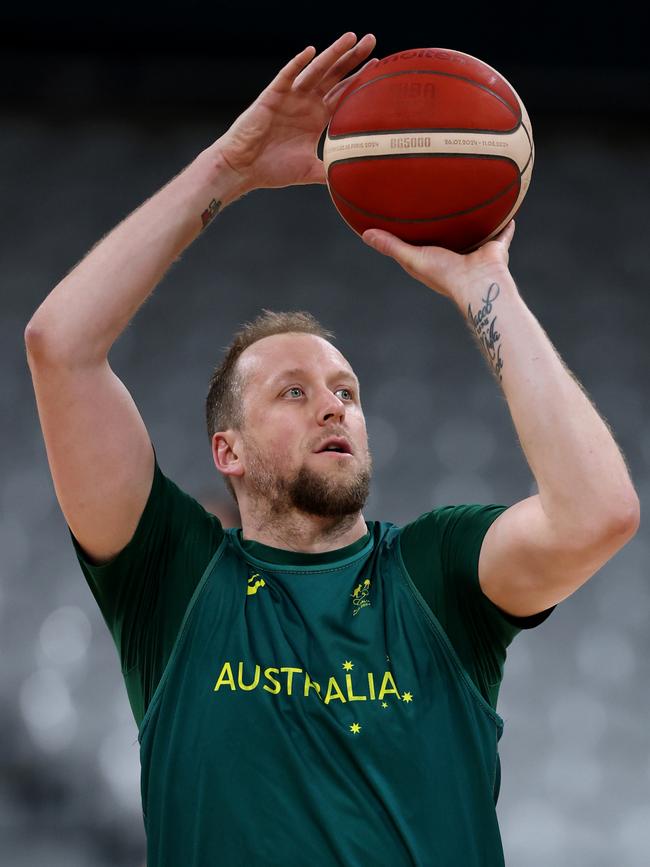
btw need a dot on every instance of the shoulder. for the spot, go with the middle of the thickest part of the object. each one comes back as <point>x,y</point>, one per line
<point>450,526</point>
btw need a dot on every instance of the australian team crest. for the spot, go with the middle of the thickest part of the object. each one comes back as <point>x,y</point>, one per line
<point>360,596</point>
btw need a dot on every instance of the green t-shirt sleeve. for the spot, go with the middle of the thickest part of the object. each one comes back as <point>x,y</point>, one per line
<point>441,551</point>
<point>144,590</point>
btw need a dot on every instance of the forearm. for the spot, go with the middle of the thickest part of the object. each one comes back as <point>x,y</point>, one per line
<point>86,312</point>
<point>581,474</point>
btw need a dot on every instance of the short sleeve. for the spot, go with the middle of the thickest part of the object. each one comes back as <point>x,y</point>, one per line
<point>441,552</point>
<point>144,590</point>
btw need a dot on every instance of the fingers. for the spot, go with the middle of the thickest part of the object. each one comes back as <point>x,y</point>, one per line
<point>333,94</point>
<point>345,53</point>
<point>348,61</point>
<point>408,255</point>
<point>286,76</point>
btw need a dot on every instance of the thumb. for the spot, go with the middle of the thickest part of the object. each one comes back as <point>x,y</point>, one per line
<point>408,255</point>
<point>506,234</point>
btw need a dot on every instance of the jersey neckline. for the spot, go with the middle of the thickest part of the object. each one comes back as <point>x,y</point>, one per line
<point>280,556</point>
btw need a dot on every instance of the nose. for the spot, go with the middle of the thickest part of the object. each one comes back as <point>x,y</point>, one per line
<point>331,407</point>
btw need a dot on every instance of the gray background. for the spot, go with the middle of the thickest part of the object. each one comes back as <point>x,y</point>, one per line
<point>80,147</point>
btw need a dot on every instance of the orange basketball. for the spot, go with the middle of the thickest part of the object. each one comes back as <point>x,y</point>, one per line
<point>432,145</point>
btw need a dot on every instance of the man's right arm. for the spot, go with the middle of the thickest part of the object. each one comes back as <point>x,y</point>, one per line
<point>97,445</point>
<point>98,448</point>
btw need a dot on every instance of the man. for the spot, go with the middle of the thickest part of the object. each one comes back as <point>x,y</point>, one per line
<point>311,688</point>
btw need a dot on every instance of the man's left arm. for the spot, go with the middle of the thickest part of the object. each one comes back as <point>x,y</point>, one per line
<point>541,549</point>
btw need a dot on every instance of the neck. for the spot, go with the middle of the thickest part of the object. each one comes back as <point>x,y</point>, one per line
<point>298,531</point>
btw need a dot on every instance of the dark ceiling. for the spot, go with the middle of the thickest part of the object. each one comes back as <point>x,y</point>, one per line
<point>151,58</point>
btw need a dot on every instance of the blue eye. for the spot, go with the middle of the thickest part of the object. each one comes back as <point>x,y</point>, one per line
<point>299,389</point>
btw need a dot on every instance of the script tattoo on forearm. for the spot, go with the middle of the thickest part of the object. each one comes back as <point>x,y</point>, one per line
<point>485,329</point>
<point>210,212</point>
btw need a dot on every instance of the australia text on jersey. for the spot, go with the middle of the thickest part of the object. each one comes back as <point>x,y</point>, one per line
<point>335,692</point>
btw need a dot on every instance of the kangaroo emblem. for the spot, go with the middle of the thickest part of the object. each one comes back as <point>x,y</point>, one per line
<point>360,595</point>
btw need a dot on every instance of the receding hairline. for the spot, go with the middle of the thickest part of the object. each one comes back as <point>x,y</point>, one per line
<point>244,375</point>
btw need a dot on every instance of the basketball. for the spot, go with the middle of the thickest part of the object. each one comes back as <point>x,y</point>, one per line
<point>432,145</point>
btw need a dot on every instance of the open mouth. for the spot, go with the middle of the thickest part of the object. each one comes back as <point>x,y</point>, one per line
<point>335,446</point>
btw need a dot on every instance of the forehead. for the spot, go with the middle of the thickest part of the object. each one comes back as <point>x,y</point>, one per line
<point>267,359</point>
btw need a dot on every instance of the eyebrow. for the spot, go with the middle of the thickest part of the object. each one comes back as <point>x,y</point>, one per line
<point>298,371</point>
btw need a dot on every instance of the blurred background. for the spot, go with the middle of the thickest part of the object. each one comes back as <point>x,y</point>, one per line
<point>99,107</point>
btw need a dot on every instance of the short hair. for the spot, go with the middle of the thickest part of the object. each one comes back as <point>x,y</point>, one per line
<point>224,404</point>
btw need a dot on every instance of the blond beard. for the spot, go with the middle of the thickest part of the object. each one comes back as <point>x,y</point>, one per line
<point>306,490</point>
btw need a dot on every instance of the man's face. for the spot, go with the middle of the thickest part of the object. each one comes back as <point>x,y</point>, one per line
<point>299,393</point>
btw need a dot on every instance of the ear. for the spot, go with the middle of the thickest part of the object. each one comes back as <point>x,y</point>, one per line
<point>225,453</point>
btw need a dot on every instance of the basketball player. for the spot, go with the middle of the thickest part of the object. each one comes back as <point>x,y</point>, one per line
<point>311,688</point>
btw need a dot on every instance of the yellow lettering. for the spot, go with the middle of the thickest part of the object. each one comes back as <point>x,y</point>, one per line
<point>240,678</point>
<point>290,677</point>
<point>311,683</point>
<point>268,676</point>
<point>351,695</point>
<point>386,689</point>
<point>225,678</point>
<point>371,684</point>
<point>332,687</point>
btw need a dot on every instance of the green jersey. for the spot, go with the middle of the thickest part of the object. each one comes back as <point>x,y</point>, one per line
<point>331,709</point>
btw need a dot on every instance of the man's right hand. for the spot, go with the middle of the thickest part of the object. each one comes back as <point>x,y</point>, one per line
<point>99,451</point>
<point>273,143</point>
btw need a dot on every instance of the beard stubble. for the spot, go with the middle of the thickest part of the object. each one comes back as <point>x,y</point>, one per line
<point>324,494</point>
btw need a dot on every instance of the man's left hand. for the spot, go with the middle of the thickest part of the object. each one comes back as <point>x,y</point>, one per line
<point>448,273</point>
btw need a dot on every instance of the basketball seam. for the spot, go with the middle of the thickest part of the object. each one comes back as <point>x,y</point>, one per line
<point>530,142</point>
<point>429,129</point>
<point>365,158</point>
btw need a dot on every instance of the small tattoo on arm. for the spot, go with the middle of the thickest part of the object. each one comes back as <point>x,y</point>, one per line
<point>485,330</point>
<point>210,212</point>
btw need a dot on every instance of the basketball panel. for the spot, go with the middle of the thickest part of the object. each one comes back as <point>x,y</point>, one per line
<point>460,233</point>
<point>420,100</point>
<point>421,187</point>
<point>443,60</point>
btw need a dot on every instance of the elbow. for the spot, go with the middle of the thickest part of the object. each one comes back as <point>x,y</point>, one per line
<point>43,346</point>
<point>33,338</point>
<point>610,531</point>
<point>35,333</point>
<point>37,343</point>
<point>625,520</point>
<point>606,537</point>
<point>629,518</point>
<point>30,333</point>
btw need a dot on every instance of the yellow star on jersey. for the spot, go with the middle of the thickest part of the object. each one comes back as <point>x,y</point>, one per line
<point>347,665</point>
<point>355,728</point>
<point>407,697</point>
<point>383,704</point>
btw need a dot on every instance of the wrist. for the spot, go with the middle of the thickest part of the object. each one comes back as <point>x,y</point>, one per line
<point>478,289</point>
<point>225,185</point>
